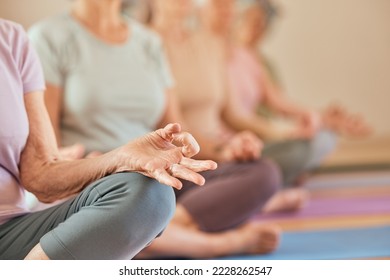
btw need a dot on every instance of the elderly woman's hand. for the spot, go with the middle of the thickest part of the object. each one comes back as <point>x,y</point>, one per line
<point>244,146</point>
<point>165,155</point>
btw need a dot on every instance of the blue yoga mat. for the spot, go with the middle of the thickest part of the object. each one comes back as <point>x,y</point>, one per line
<point>358,243</point>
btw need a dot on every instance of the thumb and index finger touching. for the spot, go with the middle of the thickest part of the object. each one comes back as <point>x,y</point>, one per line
<point>172,133</point>
<point>189,147</point>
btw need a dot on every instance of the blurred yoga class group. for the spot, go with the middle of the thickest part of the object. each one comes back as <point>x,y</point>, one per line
<point>194,129</point>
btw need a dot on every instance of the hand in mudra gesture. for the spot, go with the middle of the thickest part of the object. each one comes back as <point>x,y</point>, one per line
<point>165,155</point>
<point>243,146</point>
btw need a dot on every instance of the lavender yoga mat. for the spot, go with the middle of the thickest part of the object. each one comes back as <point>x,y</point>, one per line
<point>335,207</point>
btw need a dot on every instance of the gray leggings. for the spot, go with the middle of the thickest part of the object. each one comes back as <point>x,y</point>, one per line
<point>113,218</point>
<point>295,157</point>
<point>231,195</point>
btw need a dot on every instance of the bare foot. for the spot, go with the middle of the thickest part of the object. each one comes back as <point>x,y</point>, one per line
<point>182,239</point>
<point>287,200</point>
<point>259,238</point>
<point>179,241</point>
<point>301,180</point>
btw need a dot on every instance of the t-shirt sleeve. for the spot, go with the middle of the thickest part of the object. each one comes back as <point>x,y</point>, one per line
<point>29,65</point>
<point>49,55</point>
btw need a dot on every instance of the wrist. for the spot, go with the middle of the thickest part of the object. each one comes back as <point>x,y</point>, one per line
<point>115,161</point>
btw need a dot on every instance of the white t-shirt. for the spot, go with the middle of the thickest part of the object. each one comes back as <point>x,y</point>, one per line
<point>111,93</point>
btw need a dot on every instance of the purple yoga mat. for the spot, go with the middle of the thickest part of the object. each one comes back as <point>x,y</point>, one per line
<point>335,207</point>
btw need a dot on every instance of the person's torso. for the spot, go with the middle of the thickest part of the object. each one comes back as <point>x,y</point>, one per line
<point>13,123</point>
<point>112,93</point>
<point>198,69</point>
<point>245,80</point>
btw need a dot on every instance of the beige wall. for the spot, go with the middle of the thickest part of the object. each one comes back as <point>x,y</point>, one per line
<point>27,12</point>
<point>325,50</point>
<point>336,50</point>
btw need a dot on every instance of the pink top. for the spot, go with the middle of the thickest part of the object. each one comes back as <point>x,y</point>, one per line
<point>245,76</point>
<point>20,73</point>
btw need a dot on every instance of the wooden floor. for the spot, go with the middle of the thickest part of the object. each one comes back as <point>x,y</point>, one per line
<point>373,151</point>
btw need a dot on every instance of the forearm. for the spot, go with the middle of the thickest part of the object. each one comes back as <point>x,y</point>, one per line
<point>277,100</point>
<point>280,103</point>
<point>261,127</point>
<point>283,106</point>
<point>42,170</point>
<point>53,179</point>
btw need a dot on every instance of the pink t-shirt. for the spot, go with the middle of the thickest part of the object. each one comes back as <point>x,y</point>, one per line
<point>245,78</point>
<point>20,73</point>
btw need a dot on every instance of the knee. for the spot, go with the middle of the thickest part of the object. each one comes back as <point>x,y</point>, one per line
<point>143,211</point>
<point>324,142</point>
<point>160,203</point>
<point>290,155</point>
<point>155,202</point>
<point>321,146</point>
<point>294,159</point>
<point>298,152</point>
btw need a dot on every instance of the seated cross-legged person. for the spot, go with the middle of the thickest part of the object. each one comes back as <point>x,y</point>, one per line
<point>201,60</point>
<point>300,147</point>
<point>198,60</point>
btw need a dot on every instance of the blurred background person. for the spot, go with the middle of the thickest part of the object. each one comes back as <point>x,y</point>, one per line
<point>198,53</point>
<point>253,86</point>
<point>301,147</point>
<point>250,73</point>
<point>107,82</point>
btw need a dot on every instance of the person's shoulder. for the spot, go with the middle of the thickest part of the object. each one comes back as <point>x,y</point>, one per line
<point>10,29</point>
<point>10,26</point>
<point>55,28</point>
<point>143,33</point>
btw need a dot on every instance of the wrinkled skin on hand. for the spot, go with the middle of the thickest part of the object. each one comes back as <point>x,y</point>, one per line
<point>165,155</point>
